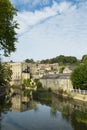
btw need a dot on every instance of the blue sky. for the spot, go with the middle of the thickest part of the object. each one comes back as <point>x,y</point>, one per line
<point>49,28</point>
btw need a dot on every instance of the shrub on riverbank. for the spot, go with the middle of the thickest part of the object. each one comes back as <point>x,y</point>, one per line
<point>42,95</point>
<point>81,116</point>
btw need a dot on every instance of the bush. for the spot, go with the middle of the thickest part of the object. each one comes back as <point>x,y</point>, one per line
<point>79,77</point>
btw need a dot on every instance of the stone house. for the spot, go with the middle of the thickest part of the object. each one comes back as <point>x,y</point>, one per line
<point>57,81</point>
<point>68,69</point>
<point>20,71</point>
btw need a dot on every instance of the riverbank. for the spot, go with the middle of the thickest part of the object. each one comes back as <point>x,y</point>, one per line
<point>79,97</point>
<point>74,96</point>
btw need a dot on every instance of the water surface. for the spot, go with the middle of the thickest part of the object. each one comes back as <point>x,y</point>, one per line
<point>58,115</point>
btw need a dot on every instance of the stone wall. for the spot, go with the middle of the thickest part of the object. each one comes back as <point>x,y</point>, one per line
<point>80,97</point>
<point>57,83</point>
<point>20,73</point>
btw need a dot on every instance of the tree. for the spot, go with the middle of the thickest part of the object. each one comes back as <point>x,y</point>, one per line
<point>79,77</point>
<point>5,73</point>
<point>84,59</point>
<point>61,69</point>
<point>7,27</point>
<point>29,83</point>
<point>38,84</point>
<point>62,60</point>
<point>26,82</point>
<point>29,61</point>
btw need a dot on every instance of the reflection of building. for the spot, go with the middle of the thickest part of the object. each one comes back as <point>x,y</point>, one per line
<point>72,104</point>
<point>57,81</point>
<point>20,72</point>
<point>19,106</point>
<point>20,102</point>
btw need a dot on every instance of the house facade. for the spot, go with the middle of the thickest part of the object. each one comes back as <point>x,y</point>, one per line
<point>69,69</point>
<point>57,81</point>
<point>20,71</point>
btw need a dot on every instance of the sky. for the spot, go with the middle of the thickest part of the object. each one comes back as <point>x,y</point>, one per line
<point>49,28</point>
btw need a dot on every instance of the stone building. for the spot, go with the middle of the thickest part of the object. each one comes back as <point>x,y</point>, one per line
<point>69,69</point>
<point>57,81</point>
<point>20,71</point>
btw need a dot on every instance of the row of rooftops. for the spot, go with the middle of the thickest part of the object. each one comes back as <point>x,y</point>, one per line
<point>57,76</point>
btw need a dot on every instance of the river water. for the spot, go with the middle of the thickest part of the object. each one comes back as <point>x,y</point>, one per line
<point>55,115</point>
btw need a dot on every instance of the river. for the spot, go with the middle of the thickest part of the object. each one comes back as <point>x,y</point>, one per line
<point>36,115</point>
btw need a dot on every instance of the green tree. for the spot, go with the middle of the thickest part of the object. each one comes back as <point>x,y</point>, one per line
<point>79,77</point>
<point>61,69</point>
<point>62,60</point>
<point>29,61</point>
<point>26,82</point>
<point>5,73</point>
<point>38,84</point>
<point>29,83</point>
<point>84,59</point>
<point>7,27</point>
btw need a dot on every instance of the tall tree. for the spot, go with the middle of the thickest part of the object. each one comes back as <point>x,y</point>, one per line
<point>84,59</point>
<point>7,27</point>
<point>79,77</point>
<point>29,61</point>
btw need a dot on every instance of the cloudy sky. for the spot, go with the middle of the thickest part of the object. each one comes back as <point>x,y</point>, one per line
<point>49,28</point>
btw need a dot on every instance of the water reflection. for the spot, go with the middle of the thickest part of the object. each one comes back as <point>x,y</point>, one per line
<point>22,102</point>
<point>21,113</point>
<point>74,112</point>
<point>53,111</point>
<point>5,105</point>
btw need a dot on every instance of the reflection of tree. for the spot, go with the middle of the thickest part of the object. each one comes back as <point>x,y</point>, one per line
<point>81,116</point>
<point>66,112</point>
<point>79,120</point>
<point>27,93</point>
<point>5,105</point>
<point>35,107</point>
<point>72,111</point>
<point>53,111</point>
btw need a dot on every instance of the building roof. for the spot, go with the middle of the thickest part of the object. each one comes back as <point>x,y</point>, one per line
<point>71,67</point>
<point>57,76</point>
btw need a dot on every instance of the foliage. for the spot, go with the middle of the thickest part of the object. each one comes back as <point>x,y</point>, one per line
<point>27,93</point>
<point>26,82</point>
<point>5,73</point>
<point>38,84</point>
<point>29,61</point>
<point>5,105</point>
<point>79,77</point>
<point>61,69</point>
<point>84,59</point>
<point>61,60</point>
<point>42,95</point>
<point>7,27</point>
<point>29,83</point>
<point>53,111</point>
<point>81,116</point>
<point>45,96</point>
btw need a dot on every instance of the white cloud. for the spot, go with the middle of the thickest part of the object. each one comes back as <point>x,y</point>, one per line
<point>62,34</point>
<point>27,19</point>
<point>35,2</point>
